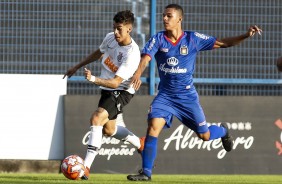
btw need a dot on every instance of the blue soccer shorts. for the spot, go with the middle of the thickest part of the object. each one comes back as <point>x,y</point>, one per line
<point>186,108</point>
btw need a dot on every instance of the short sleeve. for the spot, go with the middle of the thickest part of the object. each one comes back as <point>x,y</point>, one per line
<point>104,45</point>
<point>204,42</point>
<point>129,66</point>
<point>151,47</point>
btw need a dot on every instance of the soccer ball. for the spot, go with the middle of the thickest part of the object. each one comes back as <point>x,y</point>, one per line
<point>72,166</point>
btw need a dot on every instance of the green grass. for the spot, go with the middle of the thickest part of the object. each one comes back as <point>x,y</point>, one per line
<point>23,178</point>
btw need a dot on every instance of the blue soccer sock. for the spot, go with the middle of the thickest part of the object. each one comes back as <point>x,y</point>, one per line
<point>149,154</point>
<point>216,132</point>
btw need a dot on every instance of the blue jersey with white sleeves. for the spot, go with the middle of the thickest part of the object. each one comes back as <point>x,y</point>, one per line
<point>176,61</point>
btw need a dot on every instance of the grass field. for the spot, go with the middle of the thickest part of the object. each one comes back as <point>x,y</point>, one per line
<point>15,178</point>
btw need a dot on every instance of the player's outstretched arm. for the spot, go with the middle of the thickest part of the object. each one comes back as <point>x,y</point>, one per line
<point>109,83</point>
<point>89,59</point>
<point>232,41</point>
<point>136,81</point>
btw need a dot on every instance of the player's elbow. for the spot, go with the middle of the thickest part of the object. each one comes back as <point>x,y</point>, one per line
<point>224,43</point>
<point>227,44</point>
<point>115,84</point>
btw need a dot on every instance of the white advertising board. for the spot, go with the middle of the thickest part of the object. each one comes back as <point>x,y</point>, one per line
<point>31,116</point>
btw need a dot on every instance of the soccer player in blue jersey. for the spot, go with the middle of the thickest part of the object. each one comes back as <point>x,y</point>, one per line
<point>175,52</point>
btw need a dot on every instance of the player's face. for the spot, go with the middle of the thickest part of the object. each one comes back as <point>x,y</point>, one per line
<point>122,33</point>
<point>171,19</point>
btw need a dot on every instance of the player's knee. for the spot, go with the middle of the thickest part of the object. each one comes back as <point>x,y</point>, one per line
<point>155,126</point>
<point>205,136</point>
<point>96,118</point>
<point>108,131</point>
<point>153,131</point>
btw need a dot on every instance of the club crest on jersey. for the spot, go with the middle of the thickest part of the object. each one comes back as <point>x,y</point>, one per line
<point>119,57</point>
<point>183,50</point>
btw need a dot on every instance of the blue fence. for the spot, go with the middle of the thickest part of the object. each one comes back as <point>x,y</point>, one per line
<point>48,37</point>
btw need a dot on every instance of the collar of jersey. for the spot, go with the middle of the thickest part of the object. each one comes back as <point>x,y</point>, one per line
<point>174,43</point>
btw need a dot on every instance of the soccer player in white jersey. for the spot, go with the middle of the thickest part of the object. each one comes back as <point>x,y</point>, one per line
<point>120,59</point>
<point>175,52</point>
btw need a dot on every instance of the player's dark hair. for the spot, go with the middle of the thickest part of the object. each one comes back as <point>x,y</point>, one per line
<point>176,7</point>
<point>124,17</point>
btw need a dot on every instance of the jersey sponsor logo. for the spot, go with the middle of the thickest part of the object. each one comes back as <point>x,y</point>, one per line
<point>183,50</point>
<point>172,61</point>
<point>110,65</point>
<point>172,70</point>
<point>205,37</point>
